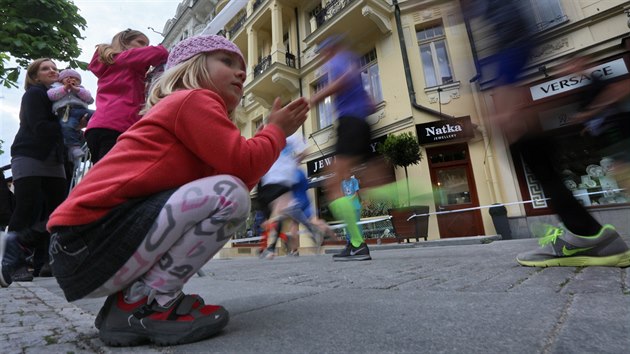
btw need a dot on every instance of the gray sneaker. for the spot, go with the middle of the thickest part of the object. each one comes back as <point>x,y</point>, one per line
<point>561,248</point>
<point>13,260</point>
<point>351,253</point>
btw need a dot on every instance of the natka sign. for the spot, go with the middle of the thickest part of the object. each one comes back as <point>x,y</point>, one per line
<point>445,130</point>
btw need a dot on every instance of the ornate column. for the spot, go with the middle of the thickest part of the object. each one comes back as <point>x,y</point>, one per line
<point>252,50</point>
<point>277,47</point>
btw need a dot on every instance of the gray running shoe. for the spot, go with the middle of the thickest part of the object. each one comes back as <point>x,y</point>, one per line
<point>186,319</point>
<point>561,248</point>
<point>13,259</point>
<point>22,274</point>
<point>267,254</point>
<point>351,253</point>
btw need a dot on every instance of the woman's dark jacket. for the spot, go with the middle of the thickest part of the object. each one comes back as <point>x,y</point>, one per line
<point>40,130</point>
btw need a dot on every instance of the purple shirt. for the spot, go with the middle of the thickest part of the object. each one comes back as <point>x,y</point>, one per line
<point>354,100</point>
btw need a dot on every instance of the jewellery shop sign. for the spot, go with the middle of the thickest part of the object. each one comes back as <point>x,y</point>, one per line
<point>319,165</point>
<point>445,130</point>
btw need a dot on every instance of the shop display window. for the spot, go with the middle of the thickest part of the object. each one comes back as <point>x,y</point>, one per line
<point>588,170</point>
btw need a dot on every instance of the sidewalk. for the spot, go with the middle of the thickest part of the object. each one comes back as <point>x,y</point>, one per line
<point>451,299</point>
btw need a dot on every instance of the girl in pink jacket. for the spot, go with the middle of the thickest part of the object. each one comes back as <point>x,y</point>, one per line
<point>121,69</point>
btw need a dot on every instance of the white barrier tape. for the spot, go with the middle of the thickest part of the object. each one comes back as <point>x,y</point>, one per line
<point>332,227</point>
<point>247,239</point>
<point>339,226</point>
<point>504,204</point>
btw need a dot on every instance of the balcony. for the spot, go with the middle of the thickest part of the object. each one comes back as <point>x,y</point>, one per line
<point>274,79</point>
<point>262,66</point>
<point>331,9</point>
<point>366,16</point>
<point>232,30</point>
<point>256,5</point>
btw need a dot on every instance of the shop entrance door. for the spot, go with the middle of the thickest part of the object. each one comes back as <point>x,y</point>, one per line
<point>454,186</point>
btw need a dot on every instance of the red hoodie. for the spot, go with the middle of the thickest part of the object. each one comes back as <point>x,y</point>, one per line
<point>121,86</point>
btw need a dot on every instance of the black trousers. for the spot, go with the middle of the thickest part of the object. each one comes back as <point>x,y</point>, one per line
<point>35,199</point>
<point>100,141</point>
<point>534,149</point>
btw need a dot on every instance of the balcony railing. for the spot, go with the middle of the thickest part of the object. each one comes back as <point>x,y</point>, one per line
<point>332,8</point>
<point>290,60</point>
<point>262,66</point>
<point>257,4</point>
<point>237,26</point>
<point>265,63</point>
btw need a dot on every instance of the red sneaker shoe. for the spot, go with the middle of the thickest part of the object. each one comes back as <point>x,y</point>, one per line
<point>186,319</point>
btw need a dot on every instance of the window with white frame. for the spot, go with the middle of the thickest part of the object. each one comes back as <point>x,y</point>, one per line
<point>370,76</point>
<point>257,123</point>
<point>434,55</point>
<point>324,108</point>
<point>545,13</point>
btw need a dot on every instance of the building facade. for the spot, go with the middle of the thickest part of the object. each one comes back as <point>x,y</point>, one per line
<point>423,64</point>
<point>597,31</point>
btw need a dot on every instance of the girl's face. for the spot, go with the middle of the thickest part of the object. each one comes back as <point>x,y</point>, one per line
<point>47,73</point>
<point>138,42</point>
<point>227,76</point>
<point>71,81</point>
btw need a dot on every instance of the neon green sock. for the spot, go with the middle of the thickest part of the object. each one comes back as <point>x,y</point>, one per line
<point>396,193</point>
<point>384,193</point>
<point>342,209</point>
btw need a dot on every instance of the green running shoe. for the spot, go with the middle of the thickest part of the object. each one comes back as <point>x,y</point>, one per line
<point>561,248</point>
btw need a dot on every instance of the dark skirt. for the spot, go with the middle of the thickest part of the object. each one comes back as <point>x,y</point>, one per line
<point>84,257</point>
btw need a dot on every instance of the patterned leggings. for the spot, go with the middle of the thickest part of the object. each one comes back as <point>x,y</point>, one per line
<point>194,224</point>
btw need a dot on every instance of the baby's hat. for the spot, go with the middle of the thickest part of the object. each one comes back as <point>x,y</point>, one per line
<point>192,46</point>
<point>69,73</point>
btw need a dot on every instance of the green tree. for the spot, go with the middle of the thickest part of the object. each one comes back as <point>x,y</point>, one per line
<point>402,150</point>
<point>31,29</point>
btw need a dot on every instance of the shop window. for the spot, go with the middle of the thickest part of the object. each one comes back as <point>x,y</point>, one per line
<point>324,108</point>
<point>587,170</point>
<point>370,76</point>
<point>434,55</point>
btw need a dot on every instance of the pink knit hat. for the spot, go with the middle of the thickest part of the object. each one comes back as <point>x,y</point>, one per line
<point>192,46</point>
<point>69,73</point>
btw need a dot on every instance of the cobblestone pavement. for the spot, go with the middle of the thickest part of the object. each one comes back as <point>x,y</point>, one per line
<point>34,320</point>
<point>464,299</point>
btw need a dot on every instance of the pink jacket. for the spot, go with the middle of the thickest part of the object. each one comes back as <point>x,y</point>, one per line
<point>121,86</point>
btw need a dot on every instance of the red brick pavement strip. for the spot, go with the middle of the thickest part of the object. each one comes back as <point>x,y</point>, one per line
<point>34,320</point>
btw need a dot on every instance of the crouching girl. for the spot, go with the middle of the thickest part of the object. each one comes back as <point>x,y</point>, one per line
<point>166,198</point>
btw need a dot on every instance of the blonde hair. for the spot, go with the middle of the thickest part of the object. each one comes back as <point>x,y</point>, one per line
<point>189,75</point>
<point>32,70</point>
<point>120,43</point>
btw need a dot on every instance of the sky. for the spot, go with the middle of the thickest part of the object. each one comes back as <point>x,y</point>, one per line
<point>104,19</point>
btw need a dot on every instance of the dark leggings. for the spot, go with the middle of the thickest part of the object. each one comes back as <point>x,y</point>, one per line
<point>535,151</point>
<point>35,199</point>
<point>100,141</point>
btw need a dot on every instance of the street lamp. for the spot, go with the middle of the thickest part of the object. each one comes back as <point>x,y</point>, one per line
<point>153,29</point>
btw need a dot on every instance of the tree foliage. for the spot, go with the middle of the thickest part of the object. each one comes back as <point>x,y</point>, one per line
<point>31,29</point>
<point>402,150</point>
